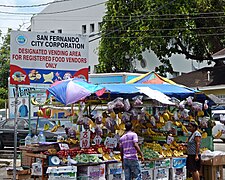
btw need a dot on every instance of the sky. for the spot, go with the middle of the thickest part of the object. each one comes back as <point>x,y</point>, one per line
<point>14,21</point>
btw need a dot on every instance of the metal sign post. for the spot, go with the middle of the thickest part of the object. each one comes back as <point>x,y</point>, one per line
<point>15,134</point>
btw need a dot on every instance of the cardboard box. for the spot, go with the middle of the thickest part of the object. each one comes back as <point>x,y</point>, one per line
<point>115,177</point>
<point>147,174</point>
<point>212,172</point>
<point>114,168</point>
<point>36,169</point>
<point>66,172</point>
<point>178,162</point>
<point>147,165</point>
<point>161,174</point>
<point>178,173</point>
<point>163,163</point>
<point>217,160</point>
<point>91,172</point>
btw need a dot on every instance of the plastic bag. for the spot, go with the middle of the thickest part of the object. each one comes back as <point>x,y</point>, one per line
<point>98,131</point>
<point>175,100</point>
<point>109,124</point>
<point>125,117</point>
<point>189,100</point>
<point>110,106</point>
<point>80,119</point>
<point>118,103</point>
<point>126,105</point>
<point>197,106</point>
<point>206,105</point>
<point>137,100</point>
<point>182,104</point>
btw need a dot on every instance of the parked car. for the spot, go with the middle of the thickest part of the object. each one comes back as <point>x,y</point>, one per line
<point>7,130</point>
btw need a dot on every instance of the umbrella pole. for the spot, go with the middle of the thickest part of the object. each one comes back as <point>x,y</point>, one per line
<point>72,110</point>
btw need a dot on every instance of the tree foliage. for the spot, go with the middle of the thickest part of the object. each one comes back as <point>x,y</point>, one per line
<point>4,64</point>
<point>193,28</point>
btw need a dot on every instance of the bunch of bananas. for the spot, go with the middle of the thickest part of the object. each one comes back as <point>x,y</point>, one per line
<point>55,128</point>
<point>36,103</point>
<point>154,146</point>
<point>184,129</point>
<point>152,133</point>
<point>46,127</point>
<point>204,135</point>
<point>70,141</point>
<point>218,134</point>
<point>106,157</point>
<point>117,157</point>
<point>167,153</point>
<point>178,153</point>
<point>52,151</point>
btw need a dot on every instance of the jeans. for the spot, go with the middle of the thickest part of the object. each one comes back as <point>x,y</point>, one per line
<point>132,169</point>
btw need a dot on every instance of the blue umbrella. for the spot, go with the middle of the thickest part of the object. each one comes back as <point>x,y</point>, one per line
<point>72,90</point>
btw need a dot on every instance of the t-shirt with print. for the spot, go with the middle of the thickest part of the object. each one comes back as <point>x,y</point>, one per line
<point>127,143</point>
<point>191,144</point>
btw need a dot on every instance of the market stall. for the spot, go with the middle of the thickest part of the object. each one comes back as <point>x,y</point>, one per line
<point>90,149</point>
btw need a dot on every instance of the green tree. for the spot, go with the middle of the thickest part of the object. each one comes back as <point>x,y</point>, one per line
<point>4,67</point>
<point>192,28</point>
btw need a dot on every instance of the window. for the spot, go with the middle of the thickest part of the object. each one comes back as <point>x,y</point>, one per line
<point>84,29</point>
<point>59,30</point>
<point>92,28</point>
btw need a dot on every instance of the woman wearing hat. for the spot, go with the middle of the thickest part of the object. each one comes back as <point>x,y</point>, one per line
<point>193,151</point>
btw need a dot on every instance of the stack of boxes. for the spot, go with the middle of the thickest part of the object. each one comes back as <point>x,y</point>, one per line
<point>147,169</point>
<point>161,170</point>
<point>62,172</point>
<point>95,172</point>
<point>115,171</point>
<point>164,169</point>
<point>178,168</point>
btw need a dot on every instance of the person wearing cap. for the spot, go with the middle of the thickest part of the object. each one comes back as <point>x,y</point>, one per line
<point>129,148</point>
<point>193,151</point>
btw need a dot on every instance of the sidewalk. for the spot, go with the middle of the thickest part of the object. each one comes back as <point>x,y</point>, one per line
<point>7,164</point>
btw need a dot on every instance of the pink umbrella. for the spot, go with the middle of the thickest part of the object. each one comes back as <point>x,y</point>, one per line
<point>72,90</point>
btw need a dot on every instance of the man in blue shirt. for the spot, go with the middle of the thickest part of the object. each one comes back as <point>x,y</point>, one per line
<point>23,110</point>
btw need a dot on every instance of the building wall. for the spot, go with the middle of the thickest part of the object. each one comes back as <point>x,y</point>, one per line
<point>78,14</point>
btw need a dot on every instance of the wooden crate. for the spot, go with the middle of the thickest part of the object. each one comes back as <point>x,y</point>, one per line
<point>26,161</point>
<point>212,172</point>
<point>217,160</point>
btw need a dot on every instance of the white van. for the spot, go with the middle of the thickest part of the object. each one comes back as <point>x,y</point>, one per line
<point>219,117</point>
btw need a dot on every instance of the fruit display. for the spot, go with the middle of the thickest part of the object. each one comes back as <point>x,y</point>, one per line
<point>149,153</point>
<point>153,125</point>
<point>87,158</point>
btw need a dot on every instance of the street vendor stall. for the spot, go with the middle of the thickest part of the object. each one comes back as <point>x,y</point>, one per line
<point>159,114</point>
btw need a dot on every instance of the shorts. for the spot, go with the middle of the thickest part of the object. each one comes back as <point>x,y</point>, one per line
<point>192,164</point>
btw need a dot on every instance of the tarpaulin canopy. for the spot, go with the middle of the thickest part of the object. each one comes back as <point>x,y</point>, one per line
<point>151,78</point>
<point>154,79</point>
<point>167,89</point>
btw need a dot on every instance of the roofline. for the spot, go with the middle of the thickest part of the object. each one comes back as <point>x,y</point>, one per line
<point>219,57</point>
<point>217,87</point>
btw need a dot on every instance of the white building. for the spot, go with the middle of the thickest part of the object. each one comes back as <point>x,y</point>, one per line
<point>84,17</point>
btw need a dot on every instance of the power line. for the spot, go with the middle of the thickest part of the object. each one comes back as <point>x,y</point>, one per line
<point>160,19</point>
<point>56,12</point>
<point>34,5</point>
<point>135,37</point>
<point>161,7</point>
<point>165,15</point>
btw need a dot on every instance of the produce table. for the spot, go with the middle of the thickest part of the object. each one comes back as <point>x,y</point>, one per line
<point>106,169</point>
